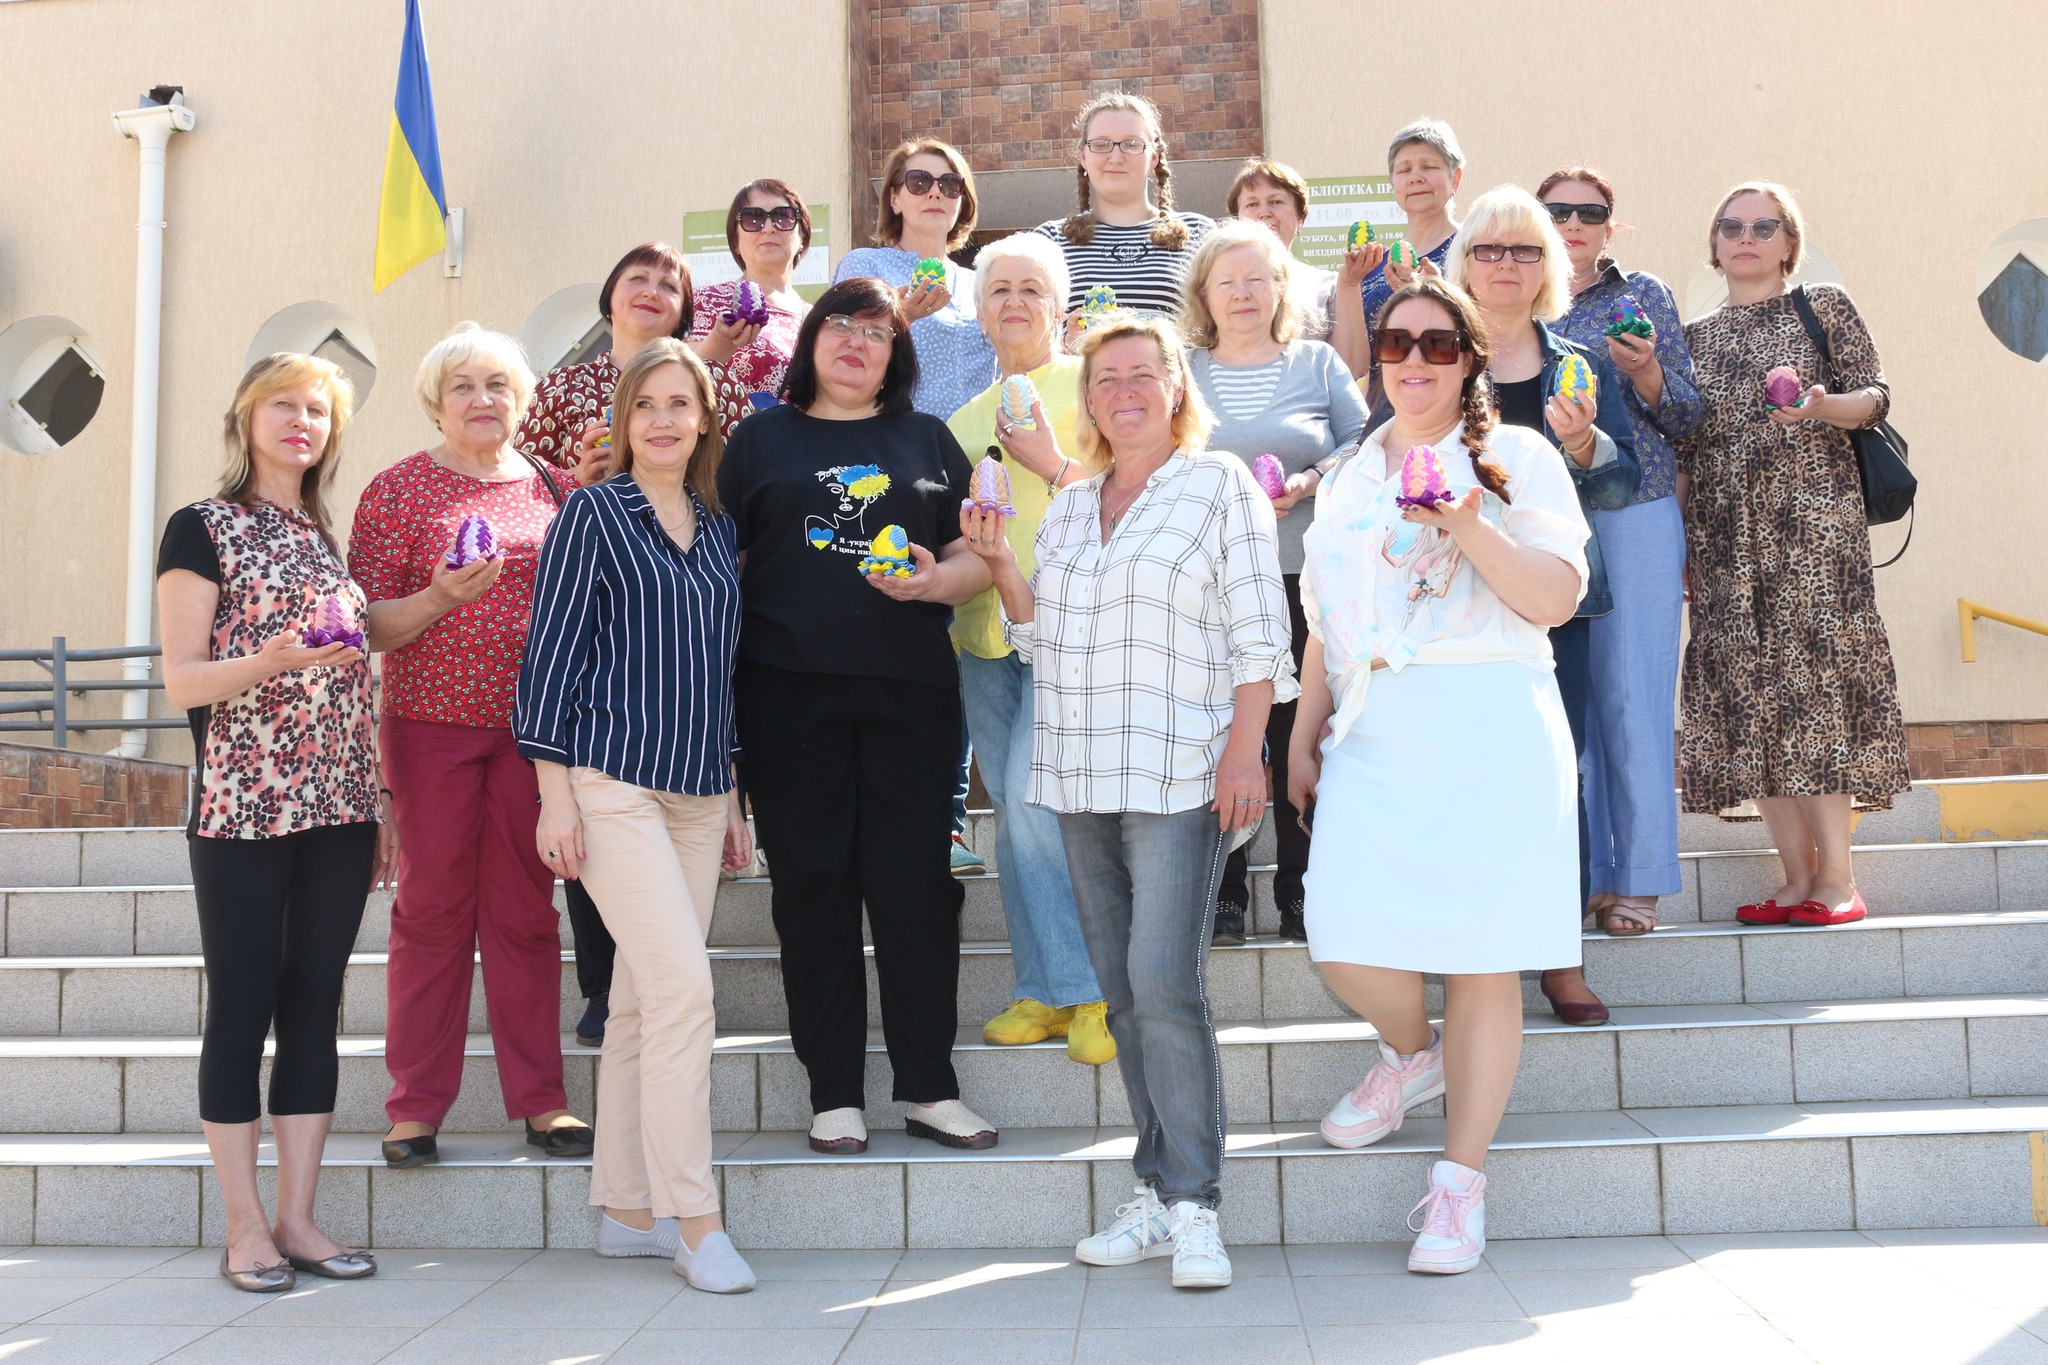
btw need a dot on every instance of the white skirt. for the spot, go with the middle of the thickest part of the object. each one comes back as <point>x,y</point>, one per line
<point>1447,828</point>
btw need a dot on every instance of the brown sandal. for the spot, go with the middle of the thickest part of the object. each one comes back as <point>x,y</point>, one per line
<point>1626,909</point>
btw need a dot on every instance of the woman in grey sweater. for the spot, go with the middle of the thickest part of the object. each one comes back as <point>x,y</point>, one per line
<point>1295,400</point>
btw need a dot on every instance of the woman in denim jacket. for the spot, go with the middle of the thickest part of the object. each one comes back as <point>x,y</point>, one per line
<point>1508,256</point>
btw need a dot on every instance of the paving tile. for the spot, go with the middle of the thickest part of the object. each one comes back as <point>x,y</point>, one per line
<point>1403,1343</point>
<point>1756,1186</point>
<point>735,1098</point>
<point>161,1094</point>
<point>939,1346</point>
<point>1337,1199</point>
<point>1476,1296</point>
<point>754,1345</point>
<point>84,1262</point>
<point>1005,1264</point>
<point>141,1302</point>
<point>24,1297</point>
<point>1978,960</point>
<point>1683,1341</point>
<point>963,1302</point>
<point>239,1345</point>
<point>1257,1302</point>
<point>37,1344</point>
<point>835,1304</point>
<point>854,1205</point>
<point>1896,1333</point>
<point>2009,1056</point>
<point>571,1221</point>
<point>1024,1087</point>
<point>1684,1291</point>
<point>1558,1192</point>
<point>166,922</point>
<point>1794,964</point>
<point>1341,1259</point>
<point>28,1002</point>
<point>341,1204</point>
<point>996,1203</point>
<point>131,1001</point>
<point>61,1094</point>
<point>1947,1180</point>
<point>368,1303</point>
<point>134,857</point>
<point>1682,969</point>
<point>2001,1268</point>
<point>499,1345</point>
<point>39,857</point>
<point>528,1304</point>
<point>118,1205</point>
<point>1576,1253</point>
<point>1669,1068</point>
<point>456,1207</point>
<point>1181,1345</point>
<point>1565,1072</point>
<point>17,1206</point>
<point>70,923</point>
<point>1904,1059</point>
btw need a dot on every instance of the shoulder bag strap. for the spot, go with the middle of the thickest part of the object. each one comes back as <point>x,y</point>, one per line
<point>1814,331</point>
<point>547,477</point>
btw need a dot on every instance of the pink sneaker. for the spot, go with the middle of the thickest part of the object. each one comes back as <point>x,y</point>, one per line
<point>1385,1096</point>
<point>1452,1237</point>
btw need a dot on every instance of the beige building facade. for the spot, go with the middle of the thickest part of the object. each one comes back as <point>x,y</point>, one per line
<point>570,132</point>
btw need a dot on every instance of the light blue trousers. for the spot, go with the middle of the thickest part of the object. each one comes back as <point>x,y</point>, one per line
<point>1046,946</point>
<point>1631,782</point>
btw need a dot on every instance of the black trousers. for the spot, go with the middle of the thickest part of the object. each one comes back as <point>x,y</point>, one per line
<point>1293,844</point>
<point>594,946</point>
<point>277,920</point>
<point>1572,646</point>
<point>852,784</point>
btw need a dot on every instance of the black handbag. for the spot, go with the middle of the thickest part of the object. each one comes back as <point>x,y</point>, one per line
<point>1888,485</point>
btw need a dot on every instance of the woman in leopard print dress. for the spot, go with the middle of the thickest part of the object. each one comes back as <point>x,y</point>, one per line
<point>1789,697</point>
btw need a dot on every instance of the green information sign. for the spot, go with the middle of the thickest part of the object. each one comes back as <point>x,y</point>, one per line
<point>1334,205</point>
<point>711,260</point>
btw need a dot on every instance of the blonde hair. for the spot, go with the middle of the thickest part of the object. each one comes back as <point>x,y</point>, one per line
<point>1192,421</point>
<point>889,223</point>
<point>1168,231</point>
<point>466,343</point>
<point>1512,209</point>
<point>1197,323</point>
<point>1788,209</point>
<point>701,473</point>
<point>264,380</point>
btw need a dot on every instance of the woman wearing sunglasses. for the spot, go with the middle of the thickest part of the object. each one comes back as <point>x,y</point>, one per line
<point>1789,698</point>
<point>1631,814</point>
<point>1121,236</point>
<point>1510,260</point>
<point>768,230</point>
<point>1446,778</point>
<point>925,210</point>
<point>847,704</point>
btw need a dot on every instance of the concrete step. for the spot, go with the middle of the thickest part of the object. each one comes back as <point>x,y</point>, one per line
<point>1658,1056</point>
<point>1611,1172</point>
<point>1687,964</point>
<point>1896,879</point>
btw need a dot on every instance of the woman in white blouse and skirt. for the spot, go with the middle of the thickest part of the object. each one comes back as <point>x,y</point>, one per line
<point>1447,771</point>
<point>1158,638</point>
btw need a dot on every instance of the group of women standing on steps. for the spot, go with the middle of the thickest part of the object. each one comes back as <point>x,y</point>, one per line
<point>685,594</point>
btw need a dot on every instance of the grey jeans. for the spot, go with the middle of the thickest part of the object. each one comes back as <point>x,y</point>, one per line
<point>1146,888</point>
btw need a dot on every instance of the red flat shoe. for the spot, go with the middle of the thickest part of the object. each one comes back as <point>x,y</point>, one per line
<point>1764,912</point>
<point>1814,913</point>
<point>1579,1013</point>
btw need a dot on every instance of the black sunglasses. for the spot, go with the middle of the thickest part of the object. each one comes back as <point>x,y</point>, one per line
<point>951,184</point>
<point>1763,229</point>
<point>754,219</point>
<point>1440,345</point>
<point>1592,215</point>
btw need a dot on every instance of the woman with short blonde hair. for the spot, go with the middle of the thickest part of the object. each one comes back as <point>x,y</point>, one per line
<point>1158,639</point>
<point>449,602</point>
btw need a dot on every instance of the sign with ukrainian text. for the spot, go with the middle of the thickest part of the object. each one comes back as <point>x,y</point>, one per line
<point>1334,205</point>
<point>711,261</point>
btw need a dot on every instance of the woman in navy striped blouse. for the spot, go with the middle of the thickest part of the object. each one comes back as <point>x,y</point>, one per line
<point>625,708</point>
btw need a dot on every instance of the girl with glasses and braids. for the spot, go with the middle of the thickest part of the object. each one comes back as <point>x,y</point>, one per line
<point>768,230</point>
<point>1447,777</point>
<point>1126,233</point>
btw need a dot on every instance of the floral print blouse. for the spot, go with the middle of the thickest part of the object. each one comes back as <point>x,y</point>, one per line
<point>1678,411</point>
<point>296,751</point>
<point>758,367</point>
<point>569,399</point>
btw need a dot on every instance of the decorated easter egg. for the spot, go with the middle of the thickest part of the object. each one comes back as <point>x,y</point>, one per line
<point>1360,234</point>
<point>331,627</point>
<point>1782,389</point>
<point>1627,318</point>
<point>1272,476</point>
<point>749,305</point>
<point>1019,393</point>
<point>989,489</point>
<point>889,554</point>
<point>474,540</point>
<point>1098,303</point>
<point>1423,481</point>
<point>1574,379</point>
<point>930,270</point>
<point>1402,253</point>
<point>604,442</point>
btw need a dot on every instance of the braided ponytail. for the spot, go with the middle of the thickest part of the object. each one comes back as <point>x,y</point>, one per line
<point>1169,232</point>
<point>1481,416</point>
<point>1080,225</point>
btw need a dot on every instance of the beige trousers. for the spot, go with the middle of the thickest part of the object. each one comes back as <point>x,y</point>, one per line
<point>652,868</point>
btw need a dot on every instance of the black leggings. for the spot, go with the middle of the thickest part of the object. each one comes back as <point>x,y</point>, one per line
<point>277,919</point>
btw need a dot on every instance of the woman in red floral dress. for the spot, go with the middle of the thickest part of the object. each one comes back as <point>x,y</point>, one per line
<point>462,795</point>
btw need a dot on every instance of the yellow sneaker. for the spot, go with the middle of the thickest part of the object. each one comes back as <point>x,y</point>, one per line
<point>1088,1040</point>
<point>1026,1021</point>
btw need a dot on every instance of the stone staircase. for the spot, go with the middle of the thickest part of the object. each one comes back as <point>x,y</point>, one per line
<point>1887,1074</point>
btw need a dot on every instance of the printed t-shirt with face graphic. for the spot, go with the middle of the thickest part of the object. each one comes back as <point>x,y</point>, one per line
<point>807,497</point>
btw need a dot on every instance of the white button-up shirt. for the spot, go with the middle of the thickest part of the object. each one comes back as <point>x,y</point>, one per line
<point>1138,647</point>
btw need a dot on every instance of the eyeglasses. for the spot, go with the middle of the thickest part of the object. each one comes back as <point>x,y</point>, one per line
<point>1523,253</point>
<point>1103,146</point>
<point>753,219</point>
<point>1440,345</point>
<point>1592,215</point>
<point>1763,229</point>
<point>951,184</point>
<point>846,325</point>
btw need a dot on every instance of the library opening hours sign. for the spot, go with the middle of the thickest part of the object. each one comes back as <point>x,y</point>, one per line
<point>1334,204</point>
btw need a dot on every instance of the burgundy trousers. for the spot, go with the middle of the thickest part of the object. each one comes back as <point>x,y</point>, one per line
<point>469,879</point>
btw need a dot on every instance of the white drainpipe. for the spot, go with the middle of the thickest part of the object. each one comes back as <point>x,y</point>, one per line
<point>152,126</point>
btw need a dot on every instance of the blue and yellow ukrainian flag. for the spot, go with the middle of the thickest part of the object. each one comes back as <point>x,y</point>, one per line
<point>410,220</point>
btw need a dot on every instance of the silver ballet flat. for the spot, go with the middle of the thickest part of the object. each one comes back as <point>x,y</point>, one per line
<point>264,1279</point>
<point>348,1265</point>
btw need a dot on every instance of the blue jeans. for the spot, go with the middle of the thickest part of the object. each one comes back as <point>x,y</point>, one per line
<point>1146,885</point>
<point>1046,947</point>
<point>1631,800</point>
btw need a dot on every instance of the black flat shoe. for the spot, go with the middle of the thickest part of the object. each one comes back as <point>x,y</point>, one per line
<point>1229,931</point>
<point>347,1265</point>
<point>1292,926</point>
<point>413,1151</point>
<point>576,1140</point>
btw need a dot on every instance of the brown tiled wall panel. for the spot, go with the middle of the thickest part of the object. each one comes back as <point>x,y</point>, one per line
<point>1996,748</point>
<point>64,789</point>
<point>1001,79</point>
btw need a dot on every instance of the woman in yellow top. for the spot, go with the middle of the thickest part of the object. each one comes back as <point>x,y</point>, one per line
<point>1023,283</point>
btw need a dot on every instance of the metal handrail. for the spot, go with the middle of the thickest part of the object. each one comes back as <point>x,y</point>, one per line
<point>57,661</point>
<point>1968,612</point>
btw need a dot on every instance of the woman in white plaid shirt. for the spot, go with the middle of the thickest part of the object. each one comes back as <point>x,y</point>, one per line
<point>1158,636</point>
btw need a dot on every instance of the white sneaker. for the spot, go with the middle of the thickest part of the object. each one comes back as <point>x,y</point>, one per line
<point>1452,1236</point>
<point>616,1239</point>
<point>1382,1100</point>
<point>1141,1231</point>
<point>1199,1260</point>
<point>716,1266</point>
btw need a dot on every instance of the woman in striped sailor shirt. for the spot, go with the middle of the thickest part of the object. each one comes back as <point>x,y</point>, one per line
<point>625,708</point>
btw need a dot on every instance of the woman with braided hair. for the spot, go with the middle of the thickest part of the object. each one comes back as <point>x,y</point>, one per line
<point>1126,233</point>
<point>1440,557</point>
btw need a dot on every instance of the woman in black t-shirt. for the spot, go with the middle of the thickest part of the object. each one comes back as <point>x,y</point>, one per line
<point>847,700</point>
